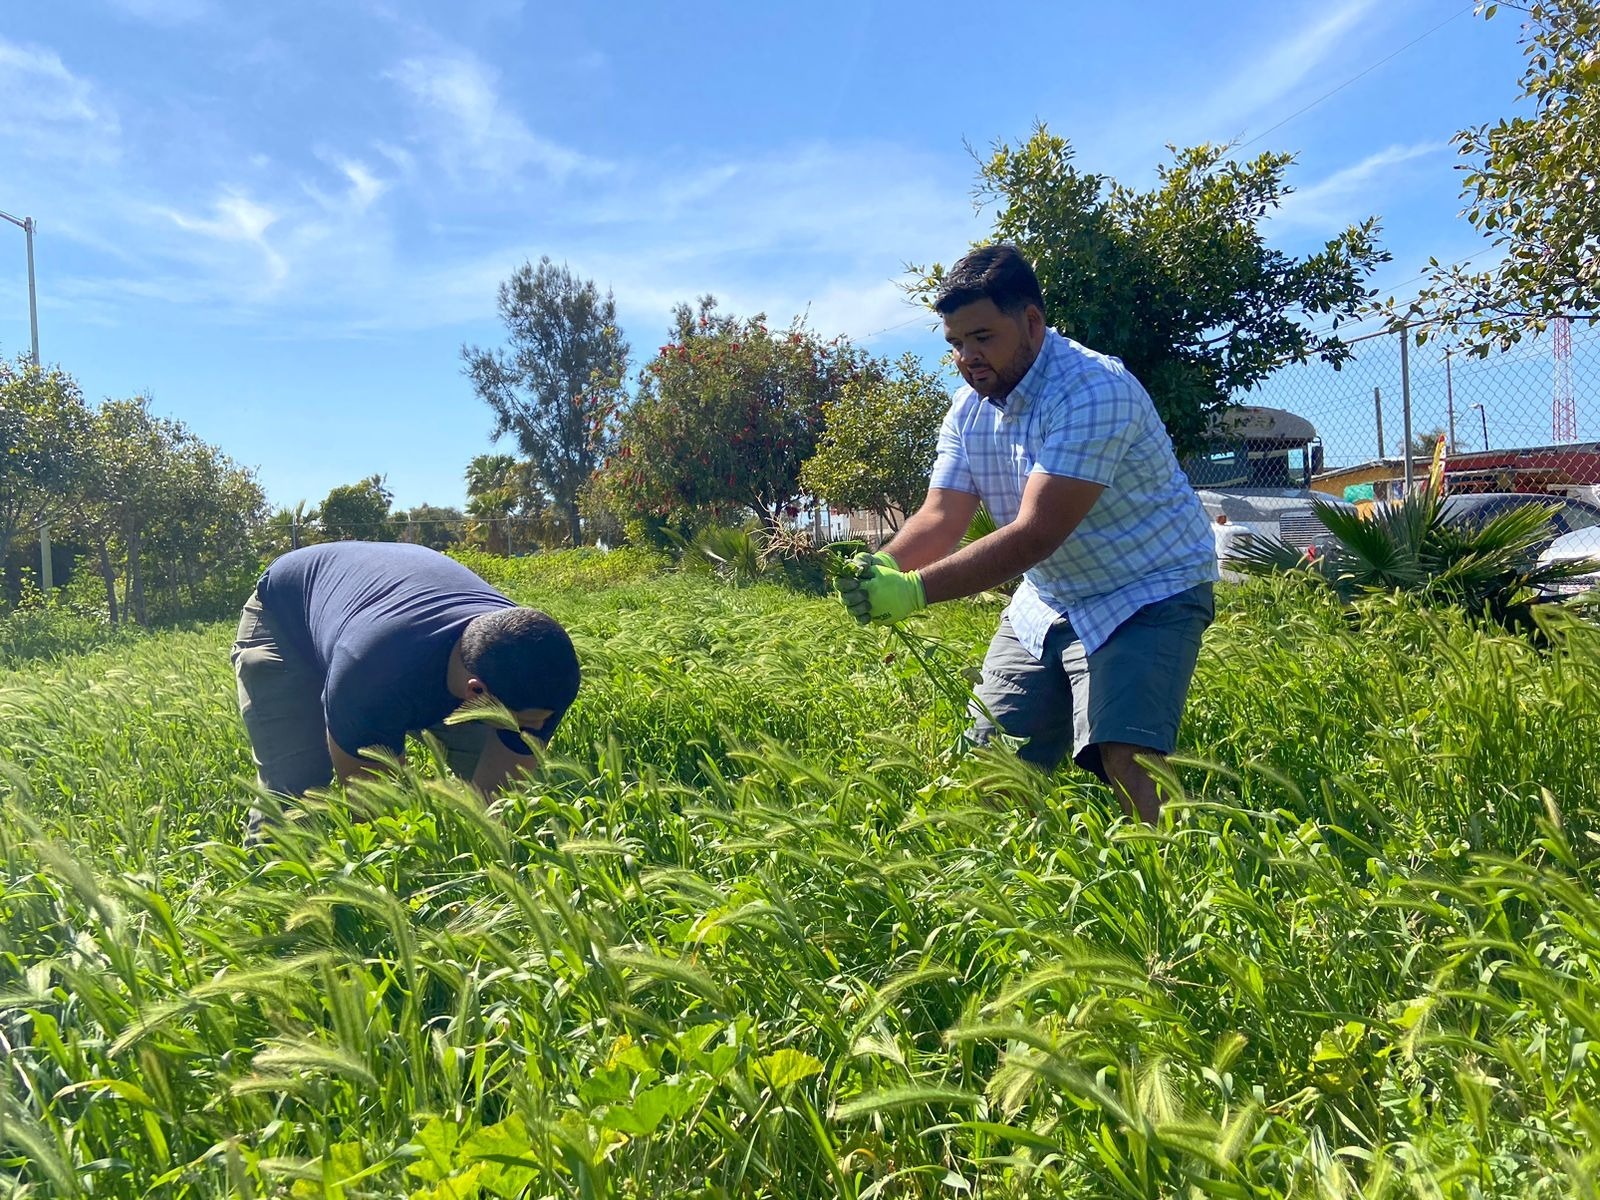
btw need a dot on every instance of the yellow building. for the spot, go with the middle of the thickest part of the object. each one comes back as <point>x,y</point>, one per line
<point>1384,476</point>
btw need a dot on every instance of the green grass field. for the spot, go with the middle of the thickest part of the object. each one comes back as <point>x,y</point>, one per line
<point>757,929</point>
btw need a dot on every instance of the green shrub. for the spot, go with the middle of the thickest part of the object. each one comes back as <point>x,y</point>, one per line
<point>585,567</point>
<point>1409,547</point>
<point>71,621</point>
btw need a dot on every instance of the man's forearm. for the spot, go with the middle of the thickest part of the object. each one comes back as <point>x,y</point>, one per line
<point>497,765</point>
<point>923,539</point>
<point>986,563</point>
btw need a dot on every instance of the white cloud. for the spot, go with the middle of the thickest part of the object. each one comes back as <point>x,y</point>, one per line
<point>238,221</point>
<point>1351,193</point>
<point>50,113</point>
<point>362,188</point>
<point>821,229</point>
<point>470,127</point>
<point>1267,78</point>
<point>1225,101</point>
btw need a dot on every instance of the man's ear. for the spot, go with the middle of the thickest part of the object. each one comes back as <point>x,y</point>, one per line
<point>1034,316</point>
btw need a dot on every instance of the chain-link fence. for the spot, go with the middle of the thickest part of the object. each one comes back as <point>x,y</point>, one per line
<point>1525,420</point>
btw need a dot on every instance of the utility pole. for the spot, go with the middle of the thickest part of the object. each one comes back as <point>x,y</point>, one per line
<point>1377,405</point>
<point>1484,417</point>
<point>27,225</point>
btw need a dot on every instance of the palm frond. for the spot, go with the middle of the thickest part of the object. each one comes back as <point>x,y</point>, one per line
<point>1410,546</point>
<point>1257,554</point>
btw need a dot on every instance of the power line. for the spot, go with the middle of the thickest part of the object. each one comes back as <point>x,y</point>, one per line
<point>1334,92</point>
<point>892,328</point>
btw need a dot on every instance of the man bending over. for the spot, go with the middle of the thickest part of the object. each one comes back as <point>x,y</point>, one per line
<point>350,645</point>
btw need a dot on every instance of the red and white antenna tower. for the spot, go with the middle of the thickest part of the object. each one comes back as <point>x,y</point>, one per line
<point>1563,407</point>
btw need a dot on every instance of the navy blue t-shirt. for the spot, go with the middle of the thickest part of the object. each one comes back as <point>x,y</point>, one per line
<point>380,619</point>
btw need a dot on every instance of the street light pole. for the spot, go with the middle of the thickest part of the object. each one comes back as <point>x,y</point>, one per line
<point>26,224</point>
<point>1484,417</point>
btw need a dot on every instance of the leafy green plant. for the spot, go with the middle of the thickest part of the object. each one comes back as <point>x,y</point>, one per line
<point>68,622</point>
<point>1409,546</point>
<point>734,555</point>
<point>747,931</point>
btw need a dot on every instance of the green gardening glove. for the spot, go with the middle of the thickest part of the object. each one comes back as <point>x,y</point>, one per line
<point>848,585</point>
<point>891,595</point>
<point>853,596</point>
<point>863,563</point>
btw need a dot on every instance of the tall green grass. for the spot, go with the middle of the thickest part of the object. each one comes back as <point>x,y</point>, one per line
<point>758,931</point>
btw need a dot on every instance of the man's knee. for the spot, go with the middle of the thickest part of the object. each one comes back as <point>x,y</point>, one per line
<point>1043,747</point>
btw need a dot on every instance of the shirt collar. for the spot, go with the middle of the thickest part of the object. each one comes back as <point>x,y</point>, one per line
<point>1031,383</point>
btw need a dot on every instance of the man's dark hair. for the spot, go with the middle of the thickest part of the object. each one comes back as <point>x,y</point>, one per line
<point>524,658</point>
<point>997,273</point>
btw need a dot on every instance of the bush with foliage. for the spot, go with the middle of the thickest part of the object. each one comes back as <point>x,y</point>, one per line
<point>727,412</point>
<point>1409,546</point>
<point>578,567</point>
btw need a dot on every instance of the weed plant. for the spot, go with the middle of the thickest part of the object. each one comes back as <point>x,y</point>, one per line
<point>755,930</point>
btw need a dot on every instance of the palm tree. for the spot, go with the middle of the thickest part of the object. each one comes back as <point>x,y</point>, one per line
<point>1408,546</point>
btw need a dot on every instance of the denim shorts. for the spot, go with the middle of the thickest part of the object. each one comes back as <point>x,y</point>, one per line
<point>1131,690</point>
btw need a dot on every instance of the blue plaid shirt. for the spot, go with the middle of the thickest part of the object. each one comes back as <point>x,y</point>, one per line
<point>1082,415</point>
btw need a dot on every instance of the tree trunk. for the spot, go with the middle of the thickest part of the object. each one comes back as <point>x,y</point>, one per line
<point>136,577</point>
<point>574,523</point>
<point>109,575</point>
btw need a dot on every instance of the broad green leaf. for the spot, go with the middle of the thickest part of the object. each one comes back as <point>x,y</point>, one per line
<point>784,1068</point>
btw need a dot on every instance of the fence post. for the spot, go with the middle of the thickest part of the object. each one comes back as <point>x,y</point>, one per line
<point>1405,401</point>
<point>47,576</point>
<point>1377,407</point>
<point>1450,401</point>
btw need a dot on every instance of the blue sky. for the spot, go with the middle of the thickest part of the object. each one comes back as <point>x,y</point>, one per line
<point>282,221</point>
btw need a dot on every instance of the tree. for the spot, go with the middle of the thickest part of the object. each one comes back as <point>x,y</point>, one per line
<point>431,526</point>
<point>879,437</point>
<point>1423,443</point>
<point>119,495</point>
<point>726,414</point>
<point>201,546</point>
<point>558,385</point>
<point>44,437</point>
<point>358,512</point>
<point>1530,189</point>
<point>1178,281</point>
<point>290,528</point>
<point>501,492</point>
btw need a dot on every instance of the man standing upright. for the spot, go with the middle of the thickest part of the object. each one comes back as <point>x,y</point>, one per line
<point>351,645</point>
<point>1095,652</point>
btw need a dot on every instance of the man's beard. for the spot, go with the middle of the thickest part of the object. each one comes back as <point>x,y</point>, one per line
<point>1007,377</point>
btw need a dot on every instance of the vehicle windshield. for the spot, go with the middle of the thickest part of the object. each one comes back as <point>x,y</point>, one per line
<point>1249,465</point>
<point>1569,515</point>
<point>1579,516</point>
